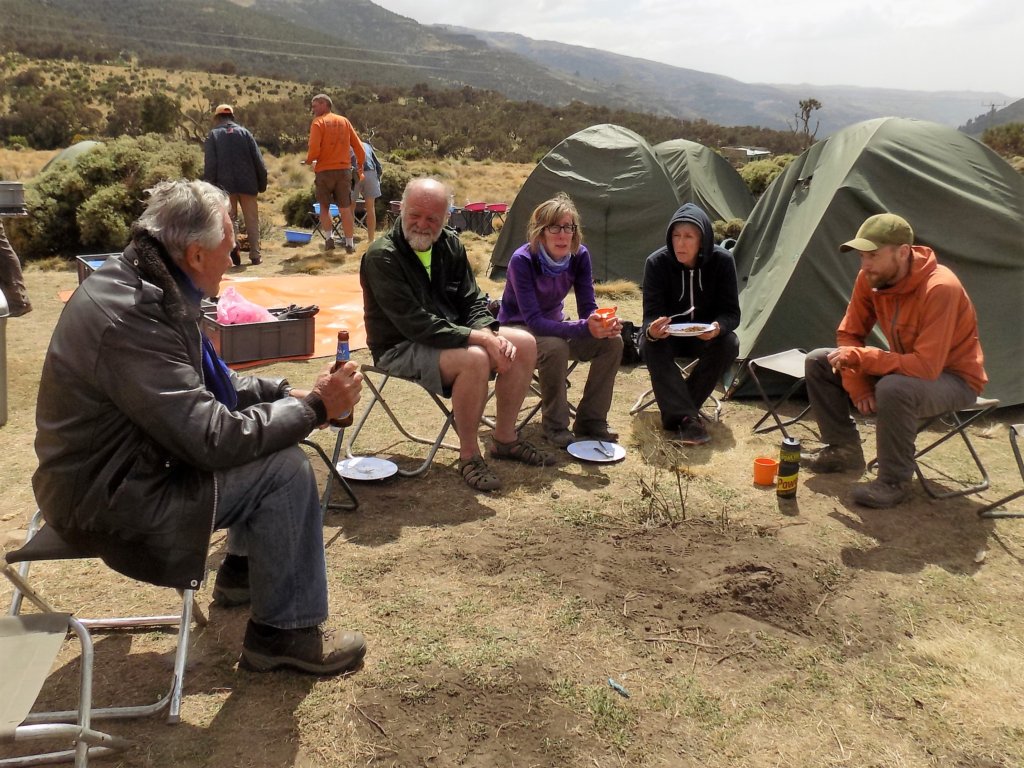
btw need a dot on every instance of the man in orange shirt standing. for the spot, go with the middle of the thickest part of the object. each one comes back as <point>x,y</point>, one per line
<point>332,139</point>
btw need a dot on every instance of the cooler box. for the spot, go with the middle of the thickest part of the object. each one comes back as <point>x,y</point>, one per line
<point>245,342</point>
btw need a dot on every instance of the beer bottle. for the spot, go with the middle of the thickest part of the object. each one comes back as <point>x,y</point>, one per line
<point>342,357</point>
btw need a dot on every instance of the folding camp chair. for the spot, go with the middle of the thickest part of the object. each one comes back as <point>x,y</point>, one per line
<point>989,510</point>
<point>376,389</point>
<point>956,423</point>
<point>497,211</point>
<point>333,476</point>
<point>790,364</point>
<point>335,222</point>
<point>535,388</point>
<point>28,647</point>
<point>685,366</point>
<point>43,543</point>
<point>359,213</point>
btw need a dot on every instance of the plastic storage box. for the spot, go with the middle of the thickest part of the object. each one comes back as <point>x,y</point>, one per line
<point>245,342</point>
<point>90,262</point>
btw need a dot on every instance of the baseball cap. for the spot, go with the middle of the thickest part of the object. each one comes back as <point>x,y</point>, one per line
<point>878,230</point>
<point>224,109</point>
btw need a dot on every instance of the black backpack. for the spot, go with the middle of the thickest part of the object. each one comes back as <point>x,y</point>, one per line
<point>630,343</point>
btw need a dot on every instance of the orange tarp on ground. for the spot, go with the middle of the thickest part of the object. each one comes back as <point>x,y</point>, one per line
<point>339,297</point>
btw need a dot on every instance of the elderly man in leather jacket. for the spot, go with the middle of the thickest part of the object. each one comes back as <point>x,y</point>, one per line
<point>147,442</point>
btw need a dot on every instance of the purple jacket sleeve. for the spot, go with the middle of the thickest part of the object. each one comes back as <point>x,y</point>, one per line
<point>538,299</point>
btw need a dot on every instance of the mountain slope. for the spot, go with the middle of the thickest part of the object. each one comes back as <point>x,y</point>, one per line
<point>687,93</point>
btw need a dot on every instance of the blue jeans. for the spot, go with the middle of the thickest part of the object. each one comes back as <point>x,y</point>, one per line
<point>271,508</point>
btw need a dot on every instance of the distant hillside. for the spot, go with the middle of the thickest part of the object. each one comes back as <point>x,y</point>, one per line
<point>340,43</point>
<point>689,93</point>
<point>1014,113</point>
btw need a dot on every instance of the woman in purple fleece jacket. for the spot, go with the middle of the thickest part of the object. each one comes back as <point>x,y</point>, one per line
<point>541,273</point>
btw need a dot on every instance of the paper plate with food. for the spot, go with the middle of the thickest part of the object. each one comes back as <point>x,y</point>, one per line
<point>689,329</point>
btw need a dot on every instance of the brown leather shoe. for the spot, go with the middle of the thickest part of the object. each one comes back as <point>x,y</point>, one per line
<point>316,650</point>
<point>880,494</point>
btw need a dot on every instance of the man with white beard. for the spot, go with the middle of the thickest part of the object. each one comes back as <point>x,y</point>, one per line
<point>427,320</point>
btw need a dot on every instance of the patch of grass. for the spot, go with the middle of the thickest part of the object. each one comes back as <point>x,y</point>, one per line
<point>617,289</point>
<point>613,720</point>
<point>570,613</point>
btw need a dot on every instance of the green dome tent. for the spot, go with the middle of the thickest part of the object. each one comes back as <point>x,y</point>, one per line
<point>704,177</point>
<point>624,194</point>
<point>961,198</point>
<point>71,154</point>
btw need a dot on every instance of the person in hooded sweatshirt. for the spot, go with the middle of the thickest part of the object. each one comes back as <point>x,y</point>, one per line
<point>934,363</point>
<point>687,282</point>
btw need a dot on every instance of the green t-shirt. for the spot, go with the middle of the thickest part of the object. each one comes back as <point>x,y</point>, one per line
<point>424,257</point>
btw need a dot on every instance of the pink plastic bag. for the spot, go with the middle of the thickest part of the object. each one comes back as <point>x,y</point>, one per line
<point>233,308</point>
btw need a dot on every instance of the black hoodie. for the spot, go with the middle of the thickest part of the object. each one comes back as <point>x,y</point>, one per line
<point>671,288</point>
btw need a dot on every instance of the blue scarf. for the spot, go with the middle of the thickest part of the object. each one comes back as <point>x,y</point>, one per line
<point>548,266</point>
<point>216,374</point>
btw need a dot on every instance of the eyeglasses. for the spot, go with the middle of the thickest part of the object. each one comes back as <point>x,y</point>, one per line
<point>554,229</point>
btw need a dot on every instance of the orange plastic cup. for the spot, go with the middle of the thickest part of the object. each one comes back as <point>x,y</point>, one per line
<point>765,469</point>
<point>607,314</point>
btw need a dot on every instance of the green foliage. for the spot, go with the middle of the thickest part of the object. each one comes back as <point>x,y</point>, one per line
<point>87,206</point>
<point>758,174</point>
<point>393,183</point>
<point>727,229</point>
<point>297,206</point>
<point>1007,139</point>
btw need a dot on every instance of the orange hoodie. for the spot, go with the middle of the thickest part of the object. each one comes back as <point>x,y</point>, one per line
<point>928,320</point>
<point>331,137</point>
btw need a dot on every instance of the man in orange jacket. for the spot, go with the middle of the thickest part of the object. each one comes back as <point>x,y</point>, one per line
<point>934,363</point>
<point>332,140</point>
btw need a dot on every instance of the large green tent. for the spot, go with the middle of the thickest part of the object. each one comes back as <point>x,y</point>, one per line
<point>624,194</point>
<point>704,177</point>
<point>961,198</point>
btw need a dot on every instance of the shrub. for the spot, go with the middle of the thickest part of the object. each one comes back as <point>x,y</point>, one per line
<point>297,206</point>
<point>758,174</point>
<point>88,205</point>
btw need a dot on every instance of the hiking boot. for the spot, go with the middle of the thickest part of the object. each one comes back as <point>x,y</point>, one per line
<point>560,438</point>
<point>315,650</point>
<point>835,458</point>
<point>257,259</point>
<point>880,494</point>
<point>350,249</point>
<point>231,587</point>
<point>329,244</point>
<point>595,432</point>
<point>691,432</point>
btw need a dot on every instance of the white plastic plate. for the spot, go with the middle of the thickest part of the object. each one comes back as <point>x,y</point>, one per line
<point>597,450</point>
<point>689,329</point>
<point>366,468</point>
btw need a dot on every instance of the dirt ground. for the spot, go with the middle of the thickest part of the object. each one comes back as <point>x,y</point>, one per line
<point>746,630</point>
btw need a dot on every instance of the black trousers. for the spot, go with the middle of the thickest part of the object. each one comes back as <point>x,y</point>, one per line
<point>678,397</point>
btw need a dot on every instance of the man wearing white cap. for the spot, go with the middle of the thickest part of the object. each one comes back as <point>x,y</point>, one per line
<point>934,363</point>
<point>234,163</point>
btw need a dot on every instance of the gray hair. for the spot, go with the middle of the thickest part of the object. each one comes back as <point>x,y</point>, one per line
<point>180,213</point>
<point>324,98</point>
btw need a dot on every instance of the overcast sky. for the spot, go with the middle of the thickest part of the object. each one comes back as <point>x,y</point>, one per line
<point>924,45</point>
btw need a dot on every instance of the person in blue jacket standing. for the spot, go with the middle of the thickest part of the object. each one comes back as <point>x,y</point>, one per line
<point>234,163</point>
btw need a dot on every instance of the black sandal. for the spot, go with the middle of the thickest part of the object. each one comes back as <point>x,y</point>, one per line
<point>521,450</point>
<point>478,475</point>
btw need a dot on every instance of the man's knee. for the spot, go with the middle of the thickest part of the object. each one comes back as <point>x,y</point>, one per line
<point>816,364</point>
<point>526,347</point>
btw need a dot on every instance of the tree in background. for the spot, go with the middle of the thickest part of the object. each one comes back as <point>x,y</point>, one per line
<point>802,126</point>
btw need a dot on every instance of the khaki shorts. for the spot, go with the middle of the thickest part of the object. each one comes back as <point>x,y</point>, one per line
<point>417,362</point>
<point>334,187</point>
